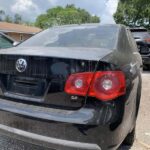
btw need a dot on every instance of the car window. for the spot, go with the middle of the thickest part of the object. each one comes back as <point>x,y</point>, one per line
<point>4,42</point>
<point>141,35</point>
<point>93,37</point>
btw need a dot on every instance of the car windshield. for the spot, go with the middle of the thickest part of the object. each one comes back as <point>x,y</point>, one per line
<point>81,36</point>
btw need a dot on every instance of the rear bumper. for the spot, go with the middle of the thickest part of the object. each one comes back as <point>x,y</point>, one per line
<point>82,116</point>
<point>61,130</point>
<point>50,142</point>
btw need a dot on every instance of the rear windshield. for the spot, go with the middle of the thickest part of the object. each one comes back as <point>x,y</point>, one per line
<point>141,35</point>
<point>91,37</point>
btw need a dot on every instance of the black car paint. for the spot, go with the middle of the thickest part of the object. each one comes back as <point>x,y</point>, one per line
<point>70,118</point>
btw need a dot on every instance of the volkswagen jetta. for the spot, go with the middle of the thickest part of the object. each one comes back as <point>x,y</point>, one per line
<point>72,87</point>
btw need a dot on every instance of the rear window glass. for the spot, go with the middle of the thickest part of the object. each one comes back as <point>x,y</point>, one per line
<point>141,34</point>
<point>91,37</point>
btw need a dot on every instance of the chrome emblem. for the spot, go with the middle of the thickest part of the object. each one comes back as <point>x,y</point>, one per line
<point>21,65</point>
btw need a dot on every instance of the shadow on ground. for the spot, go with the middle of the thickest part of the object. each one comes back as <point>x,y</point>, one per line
<point>124,148</point>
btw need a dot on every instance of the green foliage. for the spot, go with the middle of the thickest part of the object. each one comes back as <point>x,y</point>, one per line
<point>8,19</point>
<point>2,13</point>
<point>11,19</point>
<point>17,19</point>
<point>133,13</point>
<point>61,16</point>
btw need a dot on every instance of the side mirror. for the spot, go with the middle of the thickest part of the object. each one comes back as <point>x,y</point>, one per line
<point>16,43</point>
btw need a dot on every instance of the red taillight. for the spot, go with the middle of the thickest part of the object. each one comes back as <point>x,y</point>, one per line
<point>78,84</point>
<point>147,40</point>
<point>106,85</point>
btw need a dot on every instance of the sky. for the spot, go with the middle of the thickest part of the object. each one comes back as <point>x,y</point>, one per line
<point>30,9</point>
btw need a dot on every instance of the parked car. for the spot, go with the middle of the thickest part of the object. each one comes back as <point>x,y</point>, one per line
<point>142,37</point>
<point>6,41</point>
<point>72,87</point>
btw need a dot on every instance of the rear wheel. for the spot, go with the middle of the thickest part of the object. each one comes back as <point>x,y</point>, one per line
<point>129,140</point>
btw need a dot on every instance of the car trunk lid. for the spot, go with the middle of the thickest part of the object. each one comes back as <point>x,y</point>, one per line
<point>44,78</point>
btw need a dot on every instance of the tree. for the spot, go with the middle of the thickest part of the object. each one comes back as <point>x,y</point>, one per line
<point>61,16</point>
<point>8,19</point>
<point>17,19</point>
<point>133,13</point>
<point>2,13</point>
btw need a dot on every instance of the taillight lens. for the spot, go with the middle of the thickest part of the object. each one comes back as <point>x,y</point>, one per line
<point>78,84</point>
<point>105,86</point>
<point>147,40</point>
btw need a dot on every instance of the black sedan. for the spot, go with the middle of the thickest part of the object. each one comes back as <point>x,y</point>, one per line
<point>72,87</point>
<point>142,38</point>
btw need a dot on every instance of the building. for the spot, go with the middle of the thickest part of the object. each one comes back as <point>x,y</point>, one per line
<point>18,32</point>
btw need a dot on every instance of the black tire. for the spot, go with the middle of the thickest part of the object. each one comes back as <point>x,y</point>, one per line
<point>129,140</point>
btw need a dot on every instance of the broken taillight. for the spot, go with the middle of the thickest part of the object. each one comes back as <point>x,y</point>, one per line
<point>103,85</point>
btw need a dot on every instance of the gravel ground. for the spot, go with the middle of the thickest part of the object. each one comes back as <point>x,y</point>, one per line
<point>143,126</point>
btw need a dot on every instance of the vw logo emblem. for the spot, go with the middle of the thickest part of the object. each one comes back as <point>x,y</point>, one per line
<point>21,65</point>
